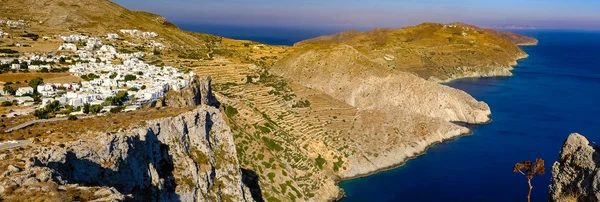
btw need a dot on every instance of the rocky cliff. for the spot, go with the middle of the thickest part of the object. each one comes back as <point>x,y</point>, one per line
<point>189,157</point>
<point>197,93</point>
<point>576,174</point>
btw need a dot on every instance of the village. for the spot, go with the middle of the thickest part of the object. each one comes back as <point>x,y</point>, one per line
<point>111,81</point>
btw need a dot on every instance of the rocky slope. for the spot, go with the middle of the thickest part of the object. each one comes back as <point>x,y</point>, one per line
<point>576,174</point>
<point>189,157</point>
<point>510,36</point>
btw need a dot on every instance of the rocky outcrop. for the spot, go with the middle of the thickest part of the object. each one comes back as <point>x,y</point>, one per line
<point>576,174</point>
<point>197,93</point>
<point>189,157</point>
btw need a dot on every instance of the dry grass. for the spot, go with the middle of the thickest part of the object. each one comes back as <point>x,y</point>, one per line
<point>64,131</point>
<point>48,77</point>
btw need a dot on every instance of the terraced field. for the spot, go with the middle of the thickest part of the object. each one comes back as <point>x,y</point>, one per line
<point>289,134</point>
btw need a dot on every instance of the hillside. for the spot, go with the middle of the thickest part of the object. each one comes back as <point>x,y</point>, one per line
<point>97,17</point>
<point>432,51</point>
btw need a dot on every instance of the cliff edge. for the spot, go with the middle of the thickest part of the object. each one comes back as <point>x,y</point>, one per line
<point>576,174</point>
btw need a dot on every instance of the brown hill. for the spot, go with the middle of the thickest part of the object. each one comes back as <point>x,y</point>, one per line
<point>101,17</point>
<point>431,50</point>
<point>510,36</point>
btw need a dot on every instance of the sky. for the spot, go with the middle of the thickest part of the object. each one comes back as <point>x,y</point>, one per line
<point>355,14</point>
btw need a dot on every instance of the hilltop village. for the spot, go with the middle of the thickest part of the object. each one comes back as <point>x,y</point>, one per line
<point>111,81</point>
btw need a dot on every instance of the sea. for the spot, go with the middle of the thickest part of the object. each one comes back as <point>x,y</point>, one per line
<point>553,93</point>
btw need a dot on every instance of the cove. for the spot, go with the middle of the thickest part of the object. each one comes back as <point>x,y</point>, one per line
<point>554,92</point>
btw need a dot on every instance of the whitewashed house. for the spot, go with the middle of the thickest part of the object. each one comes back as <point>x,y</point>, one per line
<point>68,47</point>
<point>24,90</point>
<point>112,36</point>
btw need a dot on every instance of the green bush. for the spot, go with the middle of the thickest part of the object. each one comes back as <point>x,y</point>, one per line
<point>117,109</point>
<point>94,109</point>
<point>230,111</point>
<point>72,118</point>
<point>320,161</point>
<point>6,104</point>
<point>130,77</point>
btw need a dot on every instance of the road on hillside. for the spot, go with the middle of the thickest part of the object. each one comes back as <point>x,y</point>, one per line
<point>29,123</point>
<point>14,144</point>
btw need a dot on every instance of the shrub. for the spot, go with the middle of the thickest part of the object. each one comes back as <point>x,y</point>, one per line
<point>530,171</point>
<point>86,108</point>
<point>6,104</point>
<point>117,109</point>
<point>130,77</point>
<point>94,109</point>
<point>230,111</point>
<point>320,161</point>
<point>72,118</point>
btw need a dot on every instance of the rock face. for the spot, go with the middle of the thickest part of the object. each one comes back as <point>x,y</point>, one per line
<point>198,93</point>
<point>576,175</point>
<point>190,157</point>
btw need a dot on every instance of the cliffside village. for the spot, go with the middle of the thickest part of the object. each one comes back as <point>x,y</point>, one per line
<point>93,61</point>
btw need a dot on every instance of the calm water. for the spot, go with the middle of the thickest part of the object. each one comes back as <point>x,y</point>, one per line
<point>555,92</point>
<point>267,35</point>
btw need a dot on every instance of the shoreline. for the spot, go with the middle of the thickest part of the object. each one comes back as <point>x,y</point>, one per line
<point>400,164</point>
<point>342,193</point>
<point>506,73</point>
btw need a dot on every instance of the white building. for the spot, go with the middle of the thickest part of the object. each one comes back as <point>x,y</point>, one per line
<point>24,90</point>
<point>112,36</point>
<point>68,47</point>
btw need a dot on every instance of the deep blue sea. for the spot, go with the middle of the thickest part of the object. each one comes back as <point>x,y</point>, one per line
<point>268,35</point>
<point>554,92</point>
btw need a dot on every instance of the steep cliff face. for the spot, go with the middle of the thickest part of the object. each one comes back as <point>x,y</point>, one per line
<point>189,157</point>
<point>197,93</point>
<point>576,174</point>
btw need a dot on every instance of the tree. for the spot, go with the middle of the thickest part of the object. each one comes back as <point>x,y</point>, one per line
<point>35,82</point>
<point>9,89</point>
<point>130,77</point>
<point>86,108</point>
<point>530,171</point>
<point>41,114</point>
<point>54,106</point>
<point>113,75</point>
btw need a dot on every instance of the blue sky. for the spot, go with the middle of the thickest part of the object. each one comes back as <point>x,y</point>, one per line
<point>559,14</point>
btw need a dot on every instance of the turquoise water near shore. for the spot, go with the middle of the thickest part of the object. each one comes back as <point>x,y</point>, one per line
<point>554,92</point>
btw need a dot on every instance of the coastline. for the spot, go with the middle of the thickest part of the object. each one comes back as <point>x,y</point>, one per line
<point>504,72</point>
<point>400,164</point>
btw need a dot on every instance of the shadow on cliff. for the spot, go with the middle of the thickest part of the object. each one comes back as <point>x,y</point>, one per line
<point>132,174</point>
<point>250,180</point>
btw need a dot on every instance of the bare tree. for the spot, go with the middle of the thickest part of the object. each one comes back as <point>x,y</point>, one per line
<point>530,171</point>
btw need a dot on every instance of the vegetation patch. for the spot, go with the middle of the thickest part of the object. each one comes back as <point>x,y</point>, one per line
<point>320,161</point>
<point>272,144</point>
